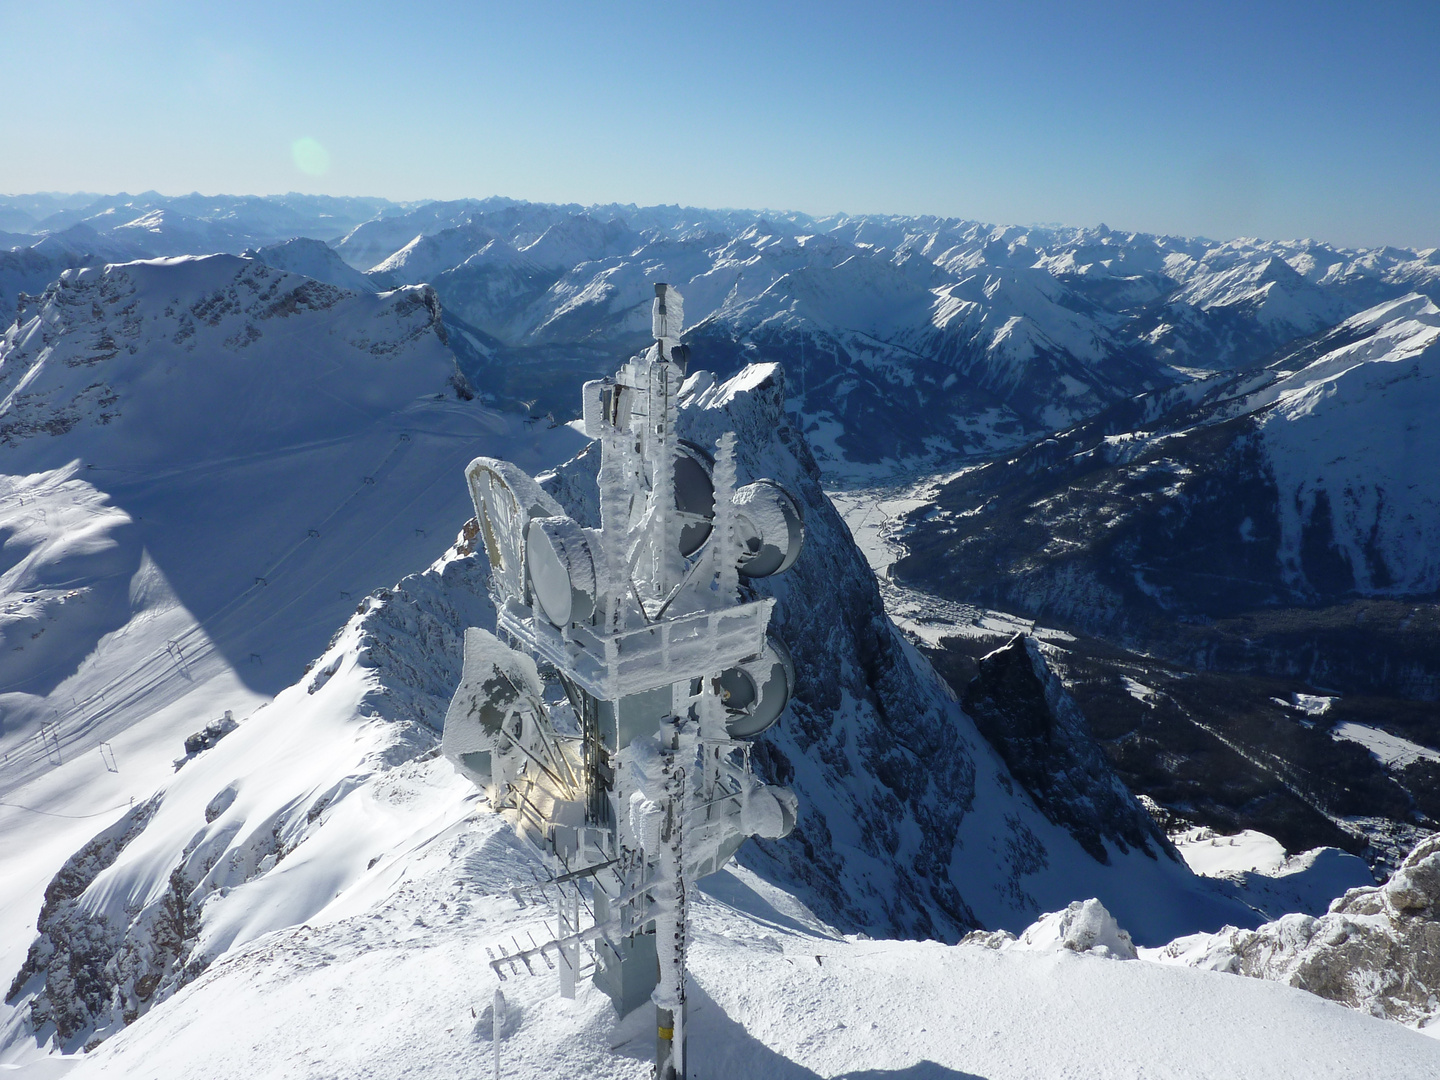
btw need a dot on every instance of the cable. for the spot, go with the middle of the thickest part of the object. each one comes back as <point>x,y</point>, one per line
<point>73,817</point>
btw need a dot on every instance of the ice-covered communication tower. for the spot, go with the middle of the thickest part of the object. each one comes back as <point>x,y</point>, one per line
<point>633,772</point>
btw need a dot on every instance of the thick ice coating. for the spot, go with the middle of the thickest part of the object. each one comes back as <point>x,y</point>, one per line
<point>499,695</point>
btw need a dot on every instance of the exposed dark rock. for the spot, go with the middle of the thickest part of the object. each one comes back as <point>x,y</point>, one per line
<point>210,734</point>
<point>74,949</point>
<point>1023,710</point>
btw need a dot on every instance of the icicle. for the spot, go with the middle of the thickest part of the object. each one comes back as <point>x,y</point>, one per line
<point>725,580</point>
<point>614,527</point>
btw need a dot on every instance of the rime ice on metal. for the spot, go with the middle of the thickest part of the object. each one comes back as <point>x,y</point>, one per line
<point>639,782</point>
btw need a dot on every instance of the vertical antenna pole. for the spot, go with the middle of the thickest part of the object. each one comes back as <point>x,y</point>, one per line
<point>671,915</point>
<point>725,568</point>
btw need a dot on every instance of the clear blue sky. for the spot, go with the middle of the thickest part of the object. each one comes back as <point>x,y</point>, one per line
<point>1273,119</point>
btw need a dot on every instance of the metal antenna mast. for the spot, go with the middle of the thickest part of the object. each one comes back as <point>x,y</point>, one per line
<point>639,783</point>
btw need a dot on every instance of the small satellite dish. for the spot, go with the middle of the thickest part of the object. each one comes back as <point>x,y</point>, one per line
<point>694,496</point>
<point>756,692</point>
<point>771,528</point>
<point>562,569</point>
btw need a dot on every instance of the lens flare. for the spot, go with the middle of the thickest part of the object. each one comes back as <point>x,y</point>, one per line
<point>311,158</point>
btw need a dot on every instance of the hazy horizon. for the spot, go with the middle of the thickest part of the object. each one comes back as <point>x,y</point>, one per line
<point>1283,122</point>
<point>757,210</point>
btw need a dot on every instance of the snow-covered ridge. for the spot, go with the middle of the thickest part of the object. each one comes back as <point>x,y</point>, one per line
<point>267,830</point>
<point>98,344</point>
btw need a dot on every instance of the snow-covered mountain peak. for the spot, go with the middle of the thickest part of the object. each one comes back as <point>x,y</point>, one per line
<point>118,346</point>
<point>427,255</point>
<point>312,259</point>
<point>577,239</point>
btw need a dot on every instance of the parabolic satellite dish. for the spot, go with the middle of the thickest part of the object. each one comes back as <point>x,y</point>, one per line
<point>562,569</point>
<point>771,528</point>
<point>756,692</point>
<point>694,496</point>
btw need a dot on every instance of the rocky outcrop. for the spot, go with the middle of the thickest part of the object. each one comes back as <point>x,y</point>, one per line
<point>1085,926</point>
<point>1377,949</point>
<point>72,959</point>
<point>1022,708</point>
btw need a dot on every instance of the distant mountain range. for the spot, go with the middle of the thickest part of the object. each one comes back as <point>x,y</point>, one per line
<point>911,341</point>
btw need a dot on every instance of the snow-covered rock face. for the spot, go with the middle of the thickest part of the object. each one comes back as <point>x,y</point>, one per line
<point>1377,949</point>
<point>909,822</point>
<point>95,348</point>
<point>1310,481</point>
<point>92,232</point>
<point>1024,711</point>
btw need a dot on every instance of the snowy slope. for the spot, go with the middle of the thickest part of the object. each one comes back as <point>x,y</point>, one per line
<point>1354,430</point>
<point>405,990</point>
<point>207,464</point>
<point>328,892</point>
<point>307,782</point>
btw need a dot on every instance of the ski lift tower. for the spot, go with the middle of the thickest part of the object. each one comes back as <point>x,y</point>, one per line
<point>636,781</point>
